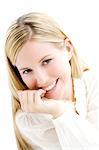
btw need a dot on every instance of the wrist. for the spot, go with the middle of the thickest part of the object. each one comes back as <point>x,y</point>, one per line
<point>56,115</point>
<point>62,108</point>
<point>59,110</point>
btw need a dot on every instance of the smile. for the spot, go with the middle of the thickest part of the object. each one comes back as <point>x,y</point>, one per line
<point>51,87</point>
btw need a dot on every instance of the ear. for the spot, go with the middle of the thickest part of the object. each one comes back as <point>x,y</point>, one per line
<point>69,47</point>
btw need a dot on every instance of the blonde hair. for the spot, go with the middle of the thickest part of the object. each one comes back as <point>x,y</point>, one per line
<point>33,26</point>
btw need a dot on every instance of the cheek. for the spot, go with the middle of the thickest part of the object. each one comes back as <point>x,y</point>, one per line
<point>29,82</point>
<point>61,68</point>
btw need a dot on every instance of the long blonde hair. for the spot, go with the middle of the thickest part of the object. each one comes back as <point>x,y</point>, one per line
<point>40,27</point>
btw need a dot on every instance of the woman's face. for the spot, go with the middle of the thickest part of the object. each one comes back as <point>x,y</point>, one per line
<point>42,65</point>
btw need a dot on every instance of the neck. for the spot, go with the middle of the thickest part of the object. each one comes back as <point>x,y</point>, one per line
<point>69,91</point>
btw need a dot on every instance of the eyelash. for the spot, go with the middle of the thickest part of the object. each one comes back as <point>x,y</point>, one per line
<point>47,61</point>
<point>27,71</point>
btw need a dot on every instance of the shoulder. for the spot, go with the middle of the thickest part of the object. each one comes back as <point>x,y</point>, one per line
<point>88,74</point>
<point>91,83</point>
<point>86,82</point>
<point>87,86</point>
<point>90,79</point>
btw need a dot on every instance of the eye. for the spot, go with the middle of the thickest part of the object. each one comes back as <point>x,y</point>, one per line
<point>26,71</point>
<point>47,61</point>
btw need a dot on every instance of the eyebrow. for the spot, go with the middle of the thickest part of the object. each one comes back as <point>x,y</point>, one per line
<point>44,58</point>
<point>39,62</point>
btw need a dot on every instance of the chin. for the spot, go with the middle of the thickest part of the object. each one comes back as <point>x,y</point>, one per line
<point>55,97</point>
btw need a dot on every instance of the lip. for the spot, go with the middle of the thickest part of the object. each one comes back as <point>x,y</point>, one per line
<point>44,87</point>
<point>52,90</point>
<point>50,86</point>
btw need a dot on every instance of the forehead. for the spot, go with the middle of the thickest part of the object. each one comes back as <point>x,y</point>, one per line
<point>34,51</point>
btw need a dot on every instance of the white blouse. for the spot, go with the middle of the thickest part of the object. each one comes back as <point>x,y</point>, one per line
<point>69,131</point>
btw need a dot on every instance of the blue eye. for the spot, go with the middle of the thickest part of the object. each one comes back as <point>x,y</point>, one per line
<point>47,61</point>
<point>27,71</point>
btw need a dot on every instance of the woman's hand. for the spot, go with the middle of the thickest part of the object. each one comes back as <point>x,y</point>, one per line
<point>34,101</point>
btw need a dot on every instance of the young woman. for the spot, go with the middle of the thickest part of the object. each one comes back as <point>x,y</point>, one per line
<point>55,97</point>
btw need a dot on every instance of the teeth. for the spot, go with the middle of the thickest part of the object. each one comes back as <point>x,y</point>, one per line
<point>50,87</point>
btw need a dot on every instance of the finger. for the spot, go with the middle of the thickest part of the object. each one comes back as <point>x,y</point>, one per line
<point>38,95</point>
<point>21,99</point>
<point>24,100</point>
<point>45,99</point>
<point>19,92</point>
<point>31,97</point>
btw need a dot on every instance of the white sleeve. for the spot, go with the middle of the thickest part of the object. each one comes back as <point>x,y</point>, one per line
<point>38,130</point>
<point>78,133</point>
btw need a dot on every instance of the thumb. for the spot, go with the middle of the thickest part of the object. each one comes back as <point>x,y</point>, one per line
<point>39,94</point>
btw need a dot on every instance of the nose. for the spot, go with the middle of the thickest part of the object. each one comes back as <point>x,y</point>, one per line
<point>41,77</point>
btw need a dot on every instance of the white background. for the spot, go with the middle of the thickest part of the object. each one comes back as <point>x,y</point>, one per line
<point>79,19</point>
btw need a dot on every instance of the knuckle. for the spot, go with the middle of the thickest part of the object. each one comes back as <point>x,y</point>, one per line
<point>22,108</point>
